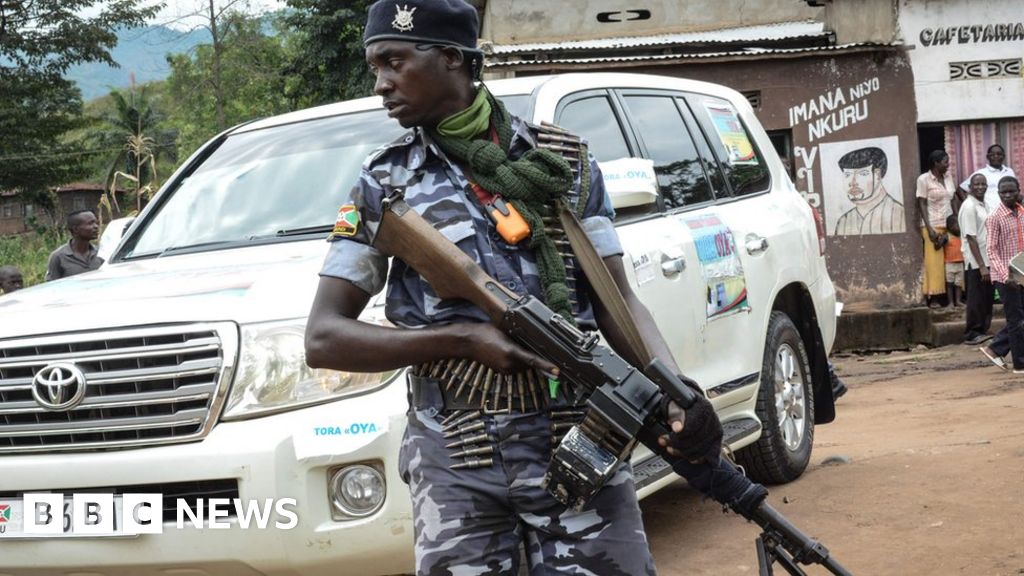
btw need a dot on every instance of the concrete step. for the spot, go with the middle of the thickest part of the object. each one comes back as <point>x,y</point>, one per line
<point>902,329</point>
<point>952,332</point>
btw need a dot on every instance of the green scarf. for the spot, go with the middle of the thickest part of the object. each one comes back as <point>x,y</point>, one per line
<point>470,122</point>
<point>533,183</point>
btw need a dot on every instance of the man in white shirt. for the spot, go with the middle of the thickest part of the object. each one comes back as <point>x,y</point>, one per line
<point>974,244</point>
<point>992,172</point>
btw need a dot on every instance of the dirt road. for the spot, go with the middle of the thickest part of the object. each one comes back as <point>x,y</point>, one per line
<point>934,483</point>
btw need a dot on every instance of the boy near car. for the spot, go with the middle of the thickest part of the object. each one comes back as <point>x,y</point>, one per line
<point>954,258</point>
<point>974,243</point>
<point>1005,229</point>
<point>10,279</point>
<point>79,254</point>
<point>475,476</point>
<point>994,171</point>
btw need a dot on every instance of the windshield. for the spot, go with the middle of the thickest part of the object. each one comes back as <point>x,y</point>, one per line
<point>262,183</point>
<point>267,184</point>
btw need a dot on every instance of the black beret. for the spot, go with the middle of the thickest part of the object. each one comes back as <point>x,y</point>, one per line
<point>448,22</point>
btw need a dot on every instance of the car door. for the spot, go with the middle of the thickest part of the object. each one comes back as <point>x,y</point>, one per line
<point>715,290</point>
<point>764,219</point>
<point>663,262</point>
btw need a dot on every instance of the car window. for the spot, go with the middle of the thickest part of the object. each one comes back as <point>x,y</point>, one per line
<point>266,183</point>
<point>594,119</point>
<point>739,158</point>
<point>667,141</point>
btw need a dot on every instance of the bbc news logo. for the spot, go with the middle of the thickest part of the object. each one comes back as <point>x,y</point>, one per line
<point>53,514</point>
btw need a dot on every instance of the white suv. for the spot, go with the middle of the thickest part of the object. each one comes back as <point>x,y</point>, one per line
<point>178,368</point>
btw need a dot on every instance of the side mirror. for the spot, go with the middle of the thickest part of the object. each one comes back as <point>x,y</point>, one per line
<point>112,236</point>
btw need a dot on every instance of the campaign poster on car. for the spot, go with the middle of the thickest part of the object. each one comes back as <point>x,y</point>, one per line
<point>719,264</point>
<point>731,133</point>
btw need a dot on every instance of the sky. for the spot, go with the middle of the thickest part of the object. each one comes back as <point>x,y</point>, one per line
<point>176,12</point>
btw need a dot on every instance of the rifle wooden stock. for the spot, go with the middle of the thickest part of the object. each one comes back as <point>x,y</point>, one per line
<point>449,271</point>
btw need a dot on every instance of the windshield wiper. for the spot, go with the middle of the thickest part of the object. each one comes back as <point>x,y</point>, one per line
<point>200,247</point>
<point>320,229</point>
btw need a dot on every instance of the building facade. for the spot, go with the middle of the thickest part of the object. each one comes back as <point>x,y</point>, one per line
<point>829,84</point>
<point>966,57</point>
<point>17,214</point>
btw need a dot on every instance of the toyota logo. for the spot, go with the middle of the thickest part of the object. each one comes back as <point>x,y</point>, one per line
<point>59,386</point>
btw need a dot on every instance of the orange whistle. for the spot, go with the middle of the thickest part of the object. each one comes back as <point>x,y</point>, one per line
<point>509,223</point>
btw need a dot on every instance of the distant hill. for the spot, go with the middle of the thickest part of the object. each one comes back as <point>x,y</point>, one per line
<point>142,51</point>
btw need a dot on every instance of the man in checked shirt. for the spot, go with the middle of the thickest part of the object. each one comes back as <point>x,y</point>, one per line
<point>1005,240</point>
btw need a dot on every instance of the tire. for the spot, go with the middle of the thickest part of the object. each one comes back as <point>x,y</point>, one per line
<point>785,405</point>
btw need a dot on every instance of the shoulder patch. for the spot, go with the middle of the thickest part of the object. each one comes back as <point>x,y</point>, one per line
<point>347,223</point>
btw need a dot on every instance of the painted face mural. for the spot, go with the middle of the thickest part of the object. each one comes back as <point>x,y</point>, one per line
<point>862,188</point>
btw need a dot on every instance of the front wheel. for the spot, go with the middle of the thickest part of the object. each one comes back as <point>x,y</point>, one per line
<point>785,405</point>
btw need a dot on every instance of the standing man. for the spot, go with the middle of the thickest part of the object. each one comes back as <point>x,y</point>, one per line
<point>78,255</point>
<point>475,475</point>
<point>1005,228</point>
<point>993,172</point>
<point>874,210</point>
<point>10,279</point>
<point>974,246</point>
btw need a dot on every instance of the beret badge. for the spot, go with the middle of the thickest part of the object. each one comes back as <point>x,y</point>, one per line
<point>403,18</point>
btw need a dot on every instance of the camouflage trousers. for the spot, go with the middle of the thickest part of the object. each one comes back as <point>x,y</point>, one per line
<point>471,522</point>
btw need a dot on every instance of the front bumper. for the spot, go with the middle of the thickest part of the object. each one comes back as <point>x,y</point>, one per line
<point>261,454</point>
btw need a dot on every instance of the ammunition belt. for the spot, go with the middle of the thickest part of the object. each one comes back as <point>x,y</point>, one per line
<point>468,385</point>
<point>469,392</point>
<point>572,149</point>
<point>472,446</point>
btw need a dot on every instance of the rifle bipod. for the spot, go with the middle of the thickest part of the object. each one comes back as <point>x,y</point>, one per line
<point>785,544</point>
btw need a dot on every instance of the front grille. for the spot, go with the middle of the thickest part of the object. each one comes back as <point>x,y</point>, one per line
<point>143,386</point>
<point>195,494</point>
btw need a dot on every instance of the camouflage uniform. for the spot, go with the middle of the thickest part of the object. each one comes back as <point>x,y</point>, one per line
<point>471,521</point>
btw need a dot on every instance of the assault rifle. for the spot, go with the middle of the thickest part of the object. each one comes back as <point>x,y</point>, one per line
<point>624,403</point>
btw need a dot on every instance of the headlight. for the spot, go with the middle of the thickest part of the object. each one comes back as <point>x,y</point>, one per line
<point>273,376</point>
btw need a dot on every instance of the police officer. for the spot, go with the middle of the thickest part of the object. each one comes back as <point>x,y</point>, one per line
<point>483,418</point>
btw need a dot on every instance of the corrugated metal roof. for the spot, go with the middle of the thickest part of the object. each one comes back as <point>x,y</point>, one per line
<point>760,33</point>
<point>739,54</point>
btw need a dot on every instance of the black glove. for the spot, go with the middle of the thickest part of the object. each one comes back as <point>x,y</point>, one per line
<point>701,438</point>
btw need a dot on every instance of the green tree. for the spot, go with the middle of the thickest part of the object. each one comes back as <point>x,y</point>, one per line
<point>212,89</point>
<point>134,131</point>
<point>39,41</point>
<point>327,61</point>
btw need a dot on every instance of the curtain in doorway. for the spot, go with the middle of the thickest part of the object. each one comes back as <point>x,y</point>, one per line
<point>966,145</point>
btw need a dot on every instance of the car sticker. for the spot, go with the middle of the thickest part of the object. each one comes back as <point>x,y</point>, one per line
<point>726,285</point>
<point>643,268</point>
<point>731,133</point>
<point>336,437</point>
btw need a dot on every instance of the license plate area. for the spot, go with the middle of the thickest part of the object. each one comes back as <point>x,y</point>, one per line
<point>100,520</point>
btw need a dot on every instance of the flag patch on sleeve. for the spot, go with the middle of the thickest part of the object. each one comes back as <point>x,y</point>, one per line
<point>348,221</point>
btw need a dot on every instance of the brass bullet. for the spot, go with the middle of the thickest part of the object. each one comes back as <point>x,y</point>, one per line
<point>522,391</point>
<point>475,439</point>
<point>567,413</point>
<point>469,377</point>
<point>460,420</point>
<point>482,376</point>
<point>464,429</point>
<point>559,426</point>
<point>451,417</point>
<point>472,463</point>
<point>489,449</point>
<point>531,378</point>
